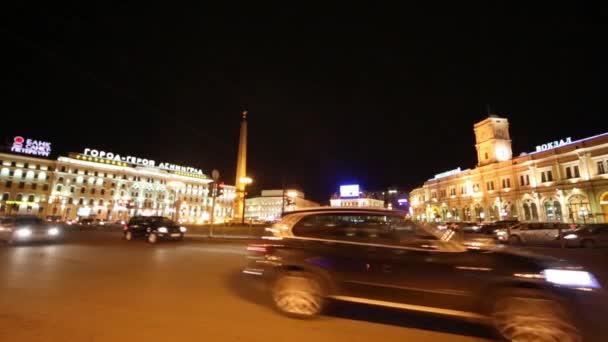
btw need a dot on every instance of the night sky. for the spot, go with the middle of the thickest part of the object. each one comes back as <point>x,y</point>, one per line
<point>381,96</point>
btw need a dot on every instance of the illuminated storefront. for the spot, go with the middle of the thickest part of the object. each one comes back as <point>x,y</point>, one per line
<point>564,180</point>
<point>103,185</point>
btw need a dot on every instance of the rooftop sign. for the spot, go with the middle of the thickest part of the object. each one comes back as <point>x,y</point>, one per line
<point>553,144</point>
<point>31,147</point>
<point>141,161</point>
<point>447,173</point>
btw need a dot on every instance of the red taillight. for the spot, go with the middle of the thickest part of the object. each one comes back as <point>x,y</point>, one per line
<point>125,227</point>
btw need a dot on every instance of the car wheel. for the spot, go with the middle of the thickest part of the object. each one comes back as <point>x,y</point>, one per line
<point>128,236</point>
<point>531,316</point>
<point>587,244</point>
<point>514,240</point>
<point>298,294</point>
<point>152,238</point>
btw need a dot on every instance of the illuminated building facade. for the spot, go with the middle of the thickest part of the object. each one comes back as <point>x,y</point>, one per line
<point>106,186</point>
<point>272,203</point>
<point>564,180</point>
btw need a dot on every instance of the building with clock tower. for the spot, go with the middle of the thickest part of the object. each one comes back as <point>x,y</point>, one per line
<point>492,140</point>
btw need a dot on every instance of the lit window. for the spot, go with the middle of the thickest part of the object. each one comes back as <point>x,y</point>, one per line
<point>600,167</point>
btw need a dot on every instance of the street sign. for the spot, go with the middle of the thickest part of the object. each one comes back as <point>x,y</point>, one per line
<point>215,174</point>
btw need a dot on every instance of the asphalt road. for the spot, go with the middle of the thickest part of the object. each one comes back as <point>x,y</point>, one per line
<point>97,287</point>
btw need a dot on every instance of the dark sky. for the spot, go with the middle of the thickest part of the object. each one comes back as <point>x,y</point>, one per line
<point>375,95</point>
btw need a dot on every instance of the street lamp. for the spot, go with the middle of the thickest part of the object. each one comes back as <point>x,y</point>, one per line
<point>245,181</point>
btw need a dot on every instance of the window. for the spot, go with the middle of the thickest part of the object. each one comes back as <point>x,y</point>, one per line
<point>81,201</point>
<point>572,172</point>
<point>96,174</point>
<point>30,198</point>
<point>490,185</point>
<point>600,167</point>
<point>19,197</point>
<point>45,187</point>
<point>452,191</point>
<point>361,228</point>
<point>34,186</point>
<point>103,191</point>
<point>433,194</point>
<point>21,185</point>
<point>83,190</point>
<point>63,169</point>
<point>546,176</point>
<point>486,156</point>
<point>72,189</point>
<point>60,180</point>
<point>91,202</point>
<point>59,187</point>
<point>70,201</point>
<point>5,196</point>
<point>506,183</point>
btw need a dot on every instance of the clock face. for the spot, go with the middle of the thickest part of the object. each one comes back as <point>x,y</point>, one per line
<point>501,153</point>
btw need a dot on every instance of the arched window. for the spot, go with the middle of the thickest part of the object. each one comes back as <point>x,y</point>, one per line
<point>527,215</point>
<point>553,210</point>
<point>534,211</point>
<point>578,208</point>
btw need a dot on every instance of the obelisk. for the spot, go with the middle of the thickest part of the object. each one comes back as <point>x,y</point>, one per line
<point>241,169</point>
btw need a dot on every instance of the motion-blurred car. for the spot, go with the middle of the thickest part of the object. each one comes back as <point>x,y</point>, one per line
<point>534,233</point>
<point>153,228</point>
<point>377,257</point>
<point>589,236</point>
<point>17,229</point>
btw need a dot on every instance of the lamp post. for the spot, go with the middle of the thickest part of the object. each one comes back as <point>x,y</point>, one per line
<point>245,181</point>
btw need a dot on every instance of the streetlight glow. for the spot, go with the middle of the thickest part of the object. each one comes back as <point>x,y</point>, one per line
<point>246,180</point>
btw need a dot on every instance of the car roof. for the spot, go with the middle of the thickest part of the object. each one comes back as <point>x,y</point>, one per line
<point>346,210</point>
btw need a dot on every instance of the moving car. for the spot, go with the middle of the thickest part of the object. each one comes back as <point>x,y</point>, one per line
<point>153,228</point>
<point>534,233</point>
<point>17,229</point>
<point>589,236</point>
<point>377,257</point>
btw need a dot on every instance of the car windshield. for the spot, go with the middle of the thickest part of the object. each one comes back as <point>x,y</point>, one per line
<point>161,221</point>
<point>375,228</point>
<point>28,220</point>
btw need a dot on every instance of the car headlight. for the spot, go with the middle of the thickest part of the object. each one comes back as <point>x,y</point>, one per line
<point>162,230</point>
<point>183,229</point>
<point>571,236</point>
<point>23,232</point>
<point>53,231</point>
<point>572,278</point>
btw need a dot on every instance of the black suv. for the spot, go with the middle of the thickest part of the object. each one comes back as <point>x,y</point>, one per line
<point>380,258</point>
<point>153,228</point>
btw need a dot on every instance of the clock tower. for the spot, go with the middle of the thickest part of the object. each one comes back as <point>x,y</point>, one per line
<point>492,140</point>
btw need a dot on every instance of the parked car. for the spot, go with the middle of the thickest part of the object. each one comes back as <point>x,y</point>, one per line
<point>534,233</point>
<point>153,228</point>
<point>17,229</point>
<point>88,221</point>
<point>53,218</point>
<point>377,257</point>
<point>589,236</point>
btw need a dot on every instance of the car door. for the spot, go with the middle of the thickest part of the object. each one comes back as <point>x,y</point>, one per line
<point>137,226</point>
<point>329,243</point>
<point>431,274</point>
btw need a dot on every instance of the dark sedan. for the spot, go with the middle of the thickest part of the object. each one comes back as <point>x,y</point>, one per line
<point>589,236</point>
<point>18,229</point>
<point>152,229</point>
<point>377,257</point>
